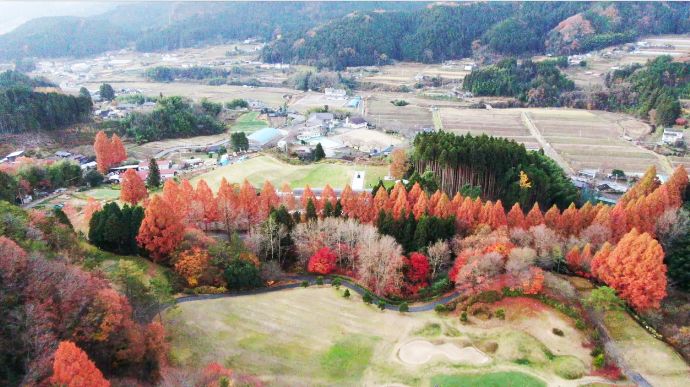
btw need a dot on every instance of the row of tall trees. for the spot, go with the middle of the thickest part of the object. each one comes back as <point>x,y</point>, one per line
<point>496,166</point>
<point>109,151</point>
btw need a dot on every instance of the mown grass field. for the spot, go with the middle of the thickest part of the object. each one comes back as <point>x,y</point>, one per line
<point>259,169</point>
<point>497,379</point>
<point>316,337</point>
<point>248,123</point>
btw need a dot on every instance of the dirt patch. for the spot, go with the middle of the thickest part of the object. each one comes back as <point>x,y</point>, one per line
<point>422,351</point>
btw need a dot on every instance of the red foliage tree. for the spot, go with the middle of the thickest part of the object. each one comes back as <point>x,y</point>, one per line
<point>133,188</point>
<point>227,206</point>
<point>421,206</point>
<point>635,268</point>
<point>213,374</point>
<point>209,207</point>
<point>161,230</point>
<point>534,217</point>
<point>552,217</point>
<point>118,152</point>
<point>288,197</point>
<point>90,208</point>
<point>497,218</point>
<point>191,264</point>
<point>323,262</point>
<point>418,270</point>
<point>73,368</point>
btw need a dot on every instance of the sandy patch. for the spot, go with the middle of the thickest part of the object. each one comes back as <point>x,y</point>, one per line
<point>421,351</point>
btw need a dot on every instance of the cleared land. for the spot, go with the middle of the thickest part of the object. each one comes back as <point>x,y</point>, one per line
<point>259,169</point>
<point>367,140</point>
<point>403,119</point>
<point>404,73</point>
<point>499,123</point>
<point>314,336</point>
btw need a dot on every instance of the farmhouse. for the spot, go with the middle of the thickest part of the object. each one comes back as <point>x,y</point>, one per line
<point>325,120</point>
<point>356,123</point>
<point>10,158</point>
<point>672,137</point>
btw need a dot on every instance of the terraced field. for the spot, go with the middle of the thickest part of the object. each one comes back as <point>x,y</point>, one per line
<point>403,119</point>
<point>499,123</point>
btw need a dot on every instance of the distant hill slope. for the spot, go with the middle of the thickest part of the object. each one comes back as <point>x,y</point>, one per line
<point>442,31</point>
<point>167,26</point>
<point>339,34</point>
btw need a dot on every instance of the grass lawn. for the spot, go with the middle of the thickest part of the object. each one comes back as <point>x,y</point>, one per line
<point>316,337</point>
<point>101,194</point>
<point>496,379</point>
<point>259,169</point>
<point>248,123</point>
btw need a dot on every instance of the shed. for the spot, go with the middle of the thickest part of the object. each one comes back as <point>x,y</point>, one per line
<point>264,136</point>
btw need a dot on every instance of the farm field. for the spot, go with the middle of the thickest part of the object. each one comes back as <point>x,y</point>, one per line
<point>588,140</point>
<point>403,119</point>
<point>276,337</point>
<point>366,140</point>
<point>261,168</point>
<point>311,100</point>
<point>499,123</point>
<point>154,148</point>
<point>403,74</point>
<point>248,123</point>
<point>584,139</point>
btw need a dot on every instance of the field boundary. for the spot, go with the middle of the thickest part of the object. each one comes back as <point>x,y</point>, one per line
<point>548,149</point>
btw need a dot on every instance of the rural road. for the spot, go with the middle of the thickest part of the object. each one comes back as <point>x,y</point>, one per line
<point>422,307</point>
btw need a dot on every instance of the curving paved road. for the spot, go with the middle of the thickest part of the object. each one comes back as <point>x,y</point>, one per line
<point>423,307</point>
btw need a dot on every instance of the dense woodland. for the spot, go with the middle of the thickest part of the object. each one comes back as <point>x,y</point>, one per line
<point>23,109</point>
<point>173,117</point>
<point>497,165</point>
<point>537,84</point>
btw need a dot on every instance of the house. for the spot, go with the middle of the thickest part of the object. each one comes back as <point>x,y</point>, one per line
<point>13,156</point>
<point>89,166</point>
<point>672,137</point>
<point>162,164</point>
<point>588,173</point>
<point>63,154</point>
<point>306,133</point>
<point>322,119</point>
<point>333,93</point>
<point>356,123</point>
<point>264,137</point>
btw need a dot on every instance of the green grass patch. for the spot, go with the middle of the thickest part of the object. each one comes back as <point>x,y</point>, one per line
<point>496,379</point>
<point>248,123</point>
<point>101,193</point>
<point>348,358</point>
<point>568,367</point>
<point>429,330</point>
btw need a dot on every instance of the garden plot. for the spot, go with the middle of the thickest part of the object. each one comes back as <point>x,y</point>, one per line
<point>505,123</point>
<point>311,100</point>
<point>588,140</point>
<point>402,119</point>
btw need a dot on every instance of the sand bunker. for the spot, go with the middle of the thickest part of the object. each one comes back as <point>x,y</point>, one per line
<point>422,351</point>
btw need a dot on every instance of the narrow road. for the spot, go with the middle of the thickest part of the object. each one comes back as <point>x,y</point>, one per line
<point>421,307</point>
<point>548,149</point>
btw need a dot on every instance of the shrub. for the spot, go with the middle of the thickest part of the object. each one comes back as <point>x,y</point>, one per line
<point>382,304</point>
<point>210,290</point>
<point>557,332</point>
<point>440,308</point>
<point>336,283</point>
<point>319,280</point>
<point>304,283</point>
<point>599,361</point>
<point>367,298</point>
<point>241,274</point>
<point>500,314</point>
<point>463,317</point>
<point>346,294</point>
<point>580,325</point>
<point>404,307</point>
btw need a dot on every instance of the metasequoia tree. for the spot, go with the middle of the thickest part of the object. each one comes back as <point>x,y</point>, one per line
<point>161,230</point>
<point>228,206</point>
<point>399,164</point>
<point>103,152</point>
<point>133,189</point>
<point>635,268</point>
<point>209,208</point>
<point>73,368</point>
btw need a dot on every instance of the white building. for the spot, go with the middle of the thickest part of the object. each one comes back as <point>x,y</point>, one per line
<point>672,137</point>
<point>333,93</point>
<point>356,123</point>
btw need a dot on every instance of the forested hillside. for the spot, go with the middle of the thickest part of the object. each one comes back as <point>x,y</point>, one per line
<point>338,34</point>
<point>22,108</point>
<point>537,84</point>
<point>446,32</point>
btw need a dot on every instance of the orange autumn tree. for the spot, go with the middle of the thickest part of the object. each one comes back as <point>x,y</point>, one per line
<point>90,208</point>
<point>133,188</point>
<point>191,264</point>
<point>102,146</point>
<point>399,163</point>
<point>227,206</point>
<point>209,207</point>
<point>117,149</point>
<point>73,368</point>
<point>635,268</point>
<point>161,230</point>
